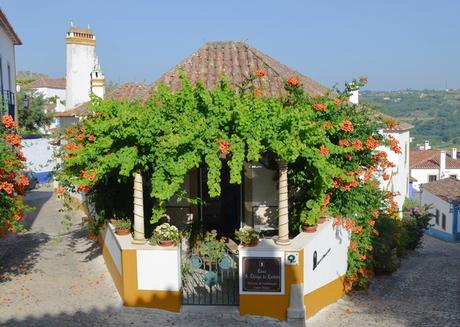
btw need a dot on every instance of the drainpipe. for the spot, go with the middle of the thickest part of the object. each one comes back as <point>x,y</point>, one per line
<point>139,236</point>
<point>283,211</point>
<point>455,231</point>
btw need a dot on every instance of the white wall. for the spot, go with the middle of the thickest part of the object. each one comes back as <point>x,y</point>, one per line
<point>80,63</point>
<point>48,92</point>
<point>399,182</point>
<point>7,55</point>
<point>38,153</point>
<point>442,206</point>
<point>335,262</point>
<point>159,270</point>
<point>421,175</point>
<point>113,247</point>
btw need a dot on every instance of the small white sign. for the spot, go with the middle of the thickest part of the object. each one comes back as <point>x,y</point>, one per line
<point>292,258</point>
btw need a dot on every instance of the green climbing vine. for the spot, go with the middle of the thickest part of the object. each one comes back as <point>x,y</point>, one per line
<point>331,147</point>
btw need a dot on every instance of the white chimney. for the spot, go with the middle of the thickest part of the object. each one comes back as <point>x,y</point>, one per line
<point>354,97</point>
<point>427,145</point>
<point>442,165</point>
<point>454,153</point>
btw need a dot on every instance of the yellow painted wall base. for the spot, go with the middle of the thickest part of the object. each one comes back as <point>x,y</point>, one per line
<point>273,306</point>
<point>323,296</point>
<point>126,284</point>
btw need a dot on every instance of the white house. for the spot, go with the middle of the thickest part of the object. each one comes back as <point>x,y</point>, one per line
<point>8,40</point>
<point>431,165</point>
<point>444,197</point>
<point>398,182</point>
<point>49,88</point>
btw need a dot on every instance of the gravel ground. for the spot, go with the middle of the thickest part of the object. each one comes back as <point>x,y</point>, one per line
<point>53,276</point>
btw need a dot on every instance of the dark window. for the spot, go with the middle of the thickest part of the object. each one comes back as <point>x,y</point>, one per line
<point>443,222</point>
<point>453,176</point>
<point>9,78</point>
<point>432,178</point>
<point>437,217</point>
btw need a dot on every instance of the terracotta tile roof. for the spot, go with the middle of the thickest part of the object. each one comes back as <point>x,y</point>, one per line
<point>129,91</point>
<point>235,60</point>
<point>58,83</point>
<point>429,159</point>
<point>80,110</point>
<point>6,25</point>
<point>447,189</point>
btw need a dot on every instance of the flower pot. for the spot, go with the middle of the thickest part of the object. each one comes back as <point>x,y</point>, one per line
<point>167,243</point>
<point>250,244</point>
<point>122,231</point>
<point>92,237</point>
<point>310,229</point>
<point>322,220</point>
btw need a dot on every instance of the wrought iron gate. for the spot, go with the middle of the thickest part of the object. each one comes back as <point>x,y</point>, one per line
<point>206,282</point>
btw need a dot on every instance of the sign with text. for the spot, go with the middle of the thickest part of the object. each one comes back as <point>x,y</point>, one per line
<point>262,274</point>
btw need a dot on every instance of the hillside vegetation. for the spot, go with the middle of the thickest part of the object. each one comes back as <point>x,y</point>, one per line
<point>434,114</point>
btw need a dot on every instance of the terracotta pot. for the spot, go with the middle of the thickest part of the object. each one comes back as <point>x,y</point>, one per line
<point>250,244</point>
<point>120,231</point>
<point>322,220</point>
<point>310,229</point>
<point>92,237</point>
<point>167,243</point>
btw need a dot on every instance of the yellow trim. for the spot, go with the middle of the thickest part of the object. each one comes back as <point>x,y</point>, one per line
<point>270,305</point>
<point>81,41</point>
<point>323,296</point>
<point>97,82</point>
<point>132,297</point>
<point>116,276</point>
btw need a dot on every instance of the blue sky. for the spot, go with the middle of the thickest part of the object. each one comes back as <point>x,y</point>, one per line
<point>397,44</point>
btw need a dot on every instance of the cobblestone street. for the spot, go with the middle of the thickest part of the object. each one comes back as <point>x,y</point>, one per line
<point>53,276</point>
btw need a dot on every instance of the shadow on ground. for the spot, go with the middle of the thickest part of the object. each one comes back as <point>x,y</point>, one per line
<point>21,255</point>
<point>80,244</point>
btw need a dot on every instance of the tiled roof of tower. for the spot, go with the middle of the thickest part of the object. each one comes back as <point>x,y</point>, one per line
<point>235,60</point>
<point>58,83</point>
<point>429,159</point>
<point>129,91</point>
<point>447,189</point>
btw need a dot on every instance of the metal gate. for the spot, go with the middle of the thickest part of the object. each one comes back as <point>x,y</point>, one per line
<point>206,282</point>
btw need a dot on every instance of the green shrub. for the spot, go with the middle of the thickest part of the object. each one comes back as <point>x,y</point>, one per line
<point>416,220</point>
<point>389,245</point>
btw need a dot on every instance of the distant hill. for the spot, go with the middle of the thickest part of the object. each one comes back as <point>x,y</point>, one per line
<point>434,114</point>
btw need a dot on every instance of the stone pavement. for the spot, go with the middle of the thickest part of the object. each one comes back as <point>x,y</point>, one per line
<point>53,276</point>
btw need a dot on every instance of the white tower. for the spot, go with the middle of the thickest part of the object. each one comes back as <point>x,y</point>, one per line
<point>81,58</point>
<point>97,80</point>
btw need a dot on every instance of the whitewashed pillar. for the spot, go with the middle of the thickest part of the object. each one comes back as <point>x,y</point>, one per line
<point>283,211</point>
<point>139,236</point>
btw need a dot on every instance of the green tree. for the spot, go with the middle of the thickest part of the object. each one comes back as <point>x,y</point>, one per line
<point>34,117</point>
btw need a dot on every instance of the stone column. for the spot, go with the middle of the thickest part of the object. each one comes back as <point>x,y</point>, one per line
<point>283,214</point>
<point>139,237</point>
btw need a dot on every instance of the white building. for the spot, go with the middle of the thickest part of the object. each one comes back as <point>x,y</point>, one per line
<point>398,182</point>
<point>444,197</point>
<point>8,40</point>
<point>49,88</point>
<point>431,165</point>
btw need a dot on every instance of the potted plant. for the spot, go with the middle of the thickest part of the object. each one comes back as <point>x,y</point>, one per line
<point>165,235</point>
<point>123,226</point>
<point>248,236</point>
<point>310,225</point>
<point>93,229</point>
<point>211,248</point>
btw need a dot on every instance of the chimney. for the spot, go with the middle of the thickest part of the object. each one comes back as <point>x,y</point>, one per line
<point>354,97</point>
<point>454,153</point>
<point>442,164</point>
<point>427,145</point>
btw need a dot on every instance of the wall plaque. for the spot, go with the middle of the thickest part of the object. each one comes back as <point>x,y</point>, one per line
<point>262,274</point>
